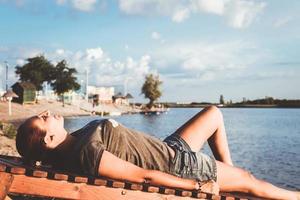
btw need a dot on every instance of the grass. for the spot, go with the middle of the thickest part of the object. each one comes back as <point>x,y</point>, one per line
<point>8,130</point>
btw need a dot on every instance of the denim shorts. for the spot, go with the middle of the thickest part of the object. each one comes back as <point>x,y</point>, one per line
<point>189,164</point>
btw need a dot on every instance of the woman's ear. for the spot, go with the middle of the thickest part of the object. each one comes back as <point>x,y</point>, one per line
<point>47,139</point>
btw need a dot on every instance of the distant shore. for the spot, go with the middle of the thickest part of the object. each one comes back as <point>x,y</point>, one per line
<point>174,105</point>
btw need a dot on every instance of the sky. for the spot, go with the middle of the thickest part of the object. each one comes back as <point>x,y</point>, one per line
<point>199,48</point>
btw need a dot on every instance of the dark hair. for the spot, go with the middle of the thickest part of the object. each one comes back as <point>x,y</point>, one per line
<point>30,141</point>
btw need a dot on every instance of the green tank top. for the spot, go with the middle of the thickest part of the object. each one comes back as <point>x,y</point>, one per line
<point>138,148</point>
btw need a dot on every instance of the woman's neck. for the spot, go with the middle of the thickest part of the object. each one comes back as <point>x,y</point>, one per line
<point>66,146</point>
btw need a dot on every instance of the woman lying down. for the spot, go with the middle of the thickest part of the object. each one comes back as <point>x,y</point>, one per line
<point>107,148</point>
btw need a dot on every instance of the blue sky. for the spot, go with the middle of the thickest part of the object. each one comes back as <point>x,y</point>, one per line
<point>200,48</point>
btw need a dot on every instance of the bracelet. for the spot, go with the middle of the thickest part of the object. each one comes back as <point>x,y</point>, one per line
<point>198,185</point>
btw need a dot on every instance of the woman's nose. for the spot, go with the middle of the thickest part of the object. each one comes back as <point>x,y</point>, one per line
<point>44,113</point>
<point>48,113</point>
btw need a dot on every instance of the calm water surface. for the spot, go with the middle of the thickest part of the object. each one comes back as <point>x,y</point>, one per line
<point>264,141</point>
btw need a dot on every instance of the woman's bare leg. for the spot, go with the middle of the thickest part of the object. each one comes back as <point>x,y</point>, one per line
<point>231,178</point>
<point>207,125</point>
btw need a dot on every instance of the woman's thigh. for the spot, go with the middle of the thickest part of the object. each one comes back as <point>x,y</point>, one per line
<point>199,128</point>
<point>231,178</point>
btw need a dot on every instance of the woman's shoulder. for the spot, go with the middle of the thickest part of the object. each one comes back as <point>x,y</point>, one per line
<point>88,127</point>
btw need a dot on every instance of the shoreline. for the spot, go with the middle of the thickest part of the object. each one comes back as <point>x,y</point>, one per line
<point>230,106</point>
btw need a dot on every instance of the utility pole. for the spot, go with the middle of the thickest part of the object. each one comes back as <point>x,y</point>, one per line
<point>86,87</point>
<point>6,78</point>
<point>126,84</point>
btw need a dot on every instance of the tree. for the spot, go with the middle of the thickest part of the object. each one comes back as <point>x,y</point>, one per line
<point>64,79</point>
<point>151,89</point>
<point>222,101</point>
<point>37,70</point>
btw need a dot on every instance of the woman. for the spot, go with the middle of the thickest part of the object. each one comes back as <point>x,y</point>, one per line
<point>104,147</point>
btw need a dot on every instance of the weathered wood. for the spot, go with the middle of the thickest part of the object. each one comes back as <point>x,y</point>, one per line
<point>80,179</point>
<point>135,186</point>
<point>118,184</point>
<point>2,168</point>
<point>100,182</point>
<point>5,183</point>
<point>39,173</point>
<point>45,187</point>
<point>61,177</point>
<point>45,181</point>
<point>17,170</point>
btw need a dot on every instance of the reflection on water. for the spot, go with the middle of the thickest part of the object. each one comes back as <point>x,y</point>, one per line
<point>264,141</point>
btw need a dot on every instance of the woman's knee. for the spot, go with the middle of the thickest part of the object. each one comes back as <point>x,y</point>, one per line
<point>215,111</point>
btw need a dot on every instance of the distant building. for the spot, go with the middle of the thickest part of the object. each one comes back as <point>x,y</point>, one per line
<point>70,97</point>
<point>26,92</point>
<point>119,99</point>
<point>101,94</point>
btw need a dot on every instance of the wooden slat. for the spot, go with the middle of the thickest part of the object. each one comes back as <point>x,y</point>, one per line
<point>135,186</point>
<point>14,165</point>
<point>80,179</point>
<point>61,177</point>
<point>5,183</point>
<point>153,189</point>
<point>169,191</point>
<point>118,184</point>
<point>100,182</point>
<point>45,187</point>
<point>39,173</point>
<point>2,168</point>
<point>17,170</point>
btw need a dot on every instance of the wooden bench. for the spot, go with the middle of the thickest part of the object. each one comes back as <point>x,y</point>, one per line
<point>18,178</point>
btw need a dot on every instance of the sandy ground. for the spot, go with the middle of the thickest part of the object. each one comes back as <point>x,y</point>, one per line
<point>22,112</point>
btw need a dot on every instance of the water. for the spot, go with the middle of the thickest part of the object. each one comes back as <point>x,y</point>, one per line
<point>264,141</point>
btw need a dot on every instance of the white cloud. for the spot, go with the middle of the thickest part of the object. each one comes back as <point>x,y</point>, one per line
<point>146,7</point>
<point>211,6</point>
<point>84,5</point>
<point>103,70</point>
<point>60,51</point>
<point>155,35</point>
<point>282,21</point>
<point>181,15</point>
<point>238,13</point>
<point>81,5</point>
<point>20,62</point>
<point>241,13</point>
<point>94,54</point>
<point>206,61</point>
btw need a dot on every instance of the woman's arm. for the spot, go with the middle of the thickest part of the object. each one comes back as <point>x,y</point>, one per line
<point>116,168</point>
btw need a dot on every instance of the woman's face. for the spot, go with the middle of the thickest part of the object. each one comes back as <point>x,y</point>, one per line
<point>54,127</point>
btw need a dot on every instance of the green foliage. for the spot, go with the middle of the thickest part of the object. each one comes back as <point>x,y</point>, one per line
<point>8,130</point>
<point>64,78</point>
<point>151,89</point>
<point>37,70</point>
